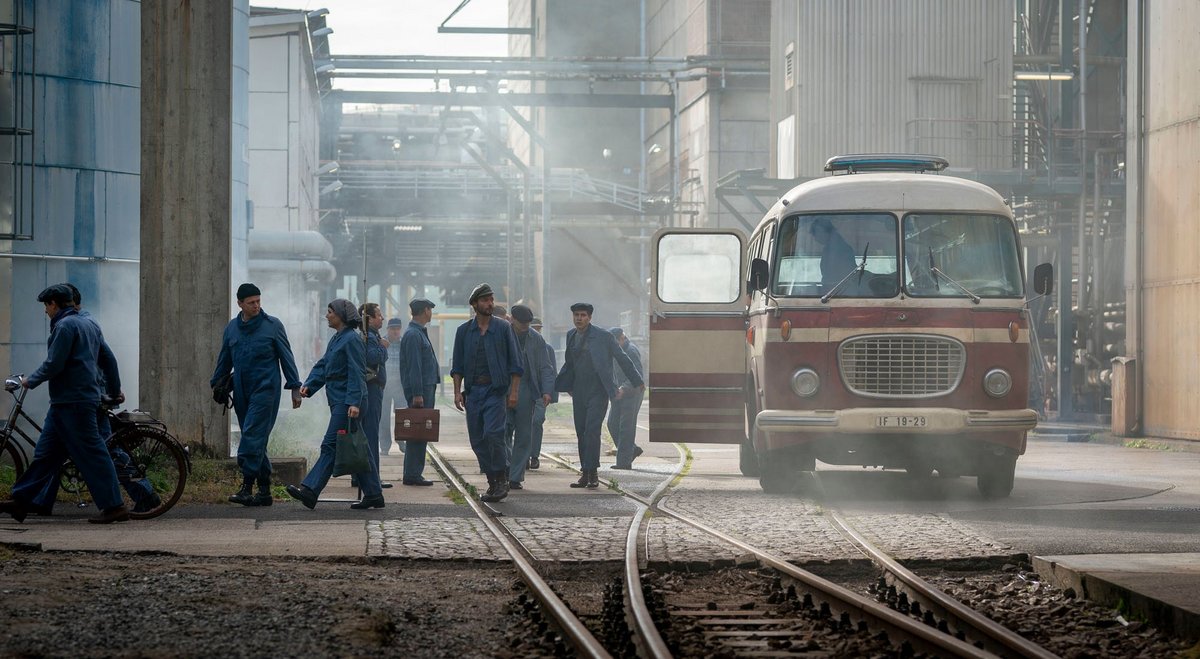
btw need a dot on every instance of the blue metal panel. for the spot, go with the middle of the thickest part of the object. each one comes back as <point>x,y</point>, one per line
<point>125,65</point>
<point>122,214</point>
<point>72,38</point>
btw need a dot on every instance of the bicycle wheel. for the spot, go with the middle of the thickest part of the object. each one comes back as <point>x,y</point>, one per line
<point>152,468</point>
<point>12,465</point>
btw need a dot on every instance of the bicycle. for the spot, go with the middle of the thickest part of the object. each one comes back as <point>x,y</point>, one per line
<point>151,463</point>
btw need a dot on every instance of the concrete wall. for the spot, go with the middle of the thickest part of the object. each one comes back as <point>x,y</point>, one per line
<point>1168,293</point>
<point>931,76</point>
<point>86,181</point>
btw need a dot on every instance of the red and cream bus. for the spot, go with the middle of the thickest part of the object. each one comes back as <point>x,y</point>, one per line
<point>874,317</point>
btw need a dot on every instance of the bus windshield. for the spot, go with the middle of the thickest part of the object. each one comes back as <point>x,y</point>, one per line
<point>979,252</point>
<point>816,252</point>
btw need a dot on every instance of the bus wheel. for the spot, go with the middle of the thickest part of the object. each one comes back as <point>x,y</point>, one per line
<point>747,459</point>
<point>995,480</point>
<point>776,476</point>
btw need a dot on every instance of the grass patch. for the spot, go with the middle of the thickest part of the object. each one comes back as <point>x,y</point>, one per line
<point>456,497</point>
<point>687,465</point>
<point>1146,444</point>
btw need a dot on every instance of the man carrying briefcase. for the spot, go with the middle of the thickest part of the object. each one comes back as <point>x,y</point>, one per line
<point>420,375</point>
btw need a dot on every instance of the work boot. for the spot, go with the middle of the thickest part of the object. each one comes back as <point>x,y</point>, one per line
<point>593,479</point>
<point>368,502</point>
<point>148,503</point>
<point>263,498</point>
<point>637,451</point>
<point>501,489</point>
<point>244,496</point>
<point>118,514</point>
<point>491,489</point>
<point>534,463</point>
<point>583,478</point>
<point>304,495</point>
<point>493,493</point>
<point>13,508</point>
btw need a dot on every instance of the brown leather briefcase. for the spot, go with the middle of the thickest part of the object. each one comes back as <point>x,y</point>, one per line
<point>417,424</point>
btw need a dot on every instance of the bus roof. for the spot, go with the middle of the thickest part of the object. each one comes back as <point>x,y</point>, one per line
<point>892,191</point>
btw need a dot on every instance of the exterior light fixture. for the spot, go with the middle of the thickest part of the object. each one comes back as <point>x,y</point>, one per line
<point>326,68</point>
<point>317,13</point>
<point>328,168</point>
<point>1044,75</point>
<point>654,148</point>
<point>332,187</point>
<point>322,32</point>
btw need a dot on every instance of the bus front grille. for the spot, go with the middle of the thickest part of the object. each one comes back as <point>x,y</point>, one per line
<point>901,365</point>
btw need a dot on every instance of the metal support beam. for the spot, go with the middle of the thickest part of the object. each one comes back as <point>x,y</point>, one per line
<point>736,213</point>
<point>442,29</point>
<point>477,100</point>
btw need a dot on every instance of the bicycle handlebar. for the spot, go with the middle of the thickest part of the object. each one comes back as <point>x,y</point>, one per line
<point>13,382</point>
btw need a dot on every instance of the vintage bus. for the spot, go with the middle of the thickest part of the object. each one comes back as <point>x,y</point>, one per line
<point>875,317</point>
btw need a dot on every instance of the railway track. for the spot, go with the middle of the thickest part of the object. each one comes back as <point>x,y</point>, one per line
<point>912,616</point>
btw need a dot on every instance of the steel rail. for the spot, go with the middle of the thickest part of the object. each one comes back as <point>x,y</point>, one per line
<point>572,626</point>
<point>841,597</point>
<point>996,637</point>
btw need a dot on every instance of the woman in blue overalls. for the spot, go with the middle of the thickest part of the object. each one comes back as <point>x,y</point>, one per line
<point>340,371</point>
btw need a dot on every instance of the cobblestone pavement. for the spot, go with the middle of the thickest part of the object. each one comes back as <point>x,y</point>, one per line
<point>432,538</point>
<point>572,539</point>
<point>930,537</point>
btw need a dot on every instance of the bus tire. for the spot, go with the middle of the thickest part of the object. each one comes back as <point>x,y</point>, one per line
<point>776,476</point>
<point>996,474</point>
<point>747,459</point>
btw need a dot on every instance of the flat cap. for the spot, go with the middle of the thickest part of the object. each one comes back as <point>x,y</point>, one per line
<point>247,290</point>
<point>617,331</point>
<point>58,294</point>
<point>482,290</point>
<point>582,306</point>
<point>395,322</point>
<point>419,304</point>
<point>522,313</point>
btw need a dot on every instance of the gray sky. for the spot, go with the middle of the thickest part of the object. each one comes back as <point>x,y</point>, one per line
<point>404,27</point>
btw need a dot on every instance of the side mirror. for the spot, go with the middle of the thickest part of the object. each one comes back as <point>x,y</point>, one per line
<point>759,276</point>
<point>1043,279</point>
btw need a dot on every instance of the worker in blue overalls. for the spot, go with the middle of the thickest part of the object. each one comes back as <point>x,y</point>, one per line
<point>376,377</point>
<point>72,367</point>
<point>340,372</point>
<point>421,375</point>
<point>487,378</point>
<point>622,417</point>
<point>588,375</point>
<point>254,347</point>
<point>536,385</point>
<point>539,409</point>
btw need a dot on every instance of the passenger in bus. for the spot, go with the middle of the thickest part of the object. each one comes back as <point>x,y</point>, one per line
<point>837,256</point>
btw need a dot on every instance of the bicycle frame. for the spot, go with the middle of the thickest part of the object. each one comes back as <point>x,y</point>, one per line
<point>10,427</point>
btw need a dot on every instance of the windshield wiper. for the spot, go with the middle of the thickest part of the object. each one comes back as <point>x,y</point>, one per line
<point>938,273</point>
<point>860,269</point>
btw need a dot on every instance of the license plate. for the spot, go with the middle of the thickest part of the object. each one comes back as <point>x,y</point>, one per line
<point>900,421</point>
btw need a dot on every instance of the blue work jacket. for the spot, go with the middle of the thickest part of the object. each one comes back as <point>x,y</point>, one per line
<point>340,370</point>
<point>73,360</point>
<point>256,350</point>
<point>539,374</point>
<point>419,368</point>
<point>110,374</point>
<point>500,345</point>
<point>605,351</point>
<point>377,357</point>
<point>635,356</point>
<point>553,361</point>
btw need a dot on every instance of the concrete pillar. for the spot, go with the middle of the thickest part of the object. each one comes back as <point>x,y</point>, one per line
<point>186,209</point>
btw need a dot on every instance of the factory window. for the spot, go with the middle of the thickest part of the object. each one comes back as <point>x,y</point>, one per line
<point>16,119</point>
<point>789,66</point>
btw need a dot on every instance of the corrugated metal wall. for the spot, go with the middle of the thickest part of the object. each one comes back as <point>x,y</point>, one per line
<point>909,75</point>
<point>1171,249</point>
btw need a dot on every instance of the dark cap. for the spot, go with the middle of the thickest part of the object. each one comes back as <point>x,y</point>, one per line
<point>247,290</point>
<point>522,313</point>
<point>482,290</point>
<point>536,321</point>
<point>617,332</point>
<point>58,294</point>
<point>582,306</point>
<point>395,322</point>
<point>417,305</point>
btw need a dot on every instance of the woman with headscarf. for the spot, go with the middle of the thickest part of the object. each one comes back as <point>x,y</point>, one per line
<point>340,371</point>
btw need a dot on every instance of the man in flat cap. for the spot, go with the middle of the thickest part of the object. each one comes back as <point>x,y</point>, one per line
<point>587,374</point>
<point>393,391</point>
<point>75,360</point>
<point>539,410</point>
<point>487,378</point>
<point>421,375</point>
<point>622,418</point>
<point>255,348</point>
<point>536,385</point>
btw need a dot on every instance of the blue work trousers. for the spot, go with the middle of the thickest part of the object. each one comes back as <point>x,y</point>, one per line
<point>257,419</point>
<point>70,431</point>
<point>622,424</point>
<point>370,425</point>
<point>486,416</point>
<point>318,478</point>
<point>539,421</point>
<point>393,397</point>
<point>588,406</point>
<point>521,421</point>
<point>414,452</point>
<point>139,489</point>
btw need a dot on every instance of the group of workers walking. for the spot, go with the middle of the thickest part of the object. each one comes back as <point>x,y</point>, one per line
<point>503,370</point>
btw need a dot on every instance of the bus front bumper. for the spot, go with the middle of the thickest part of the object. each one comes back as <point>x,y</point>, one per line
<point>895,420</point>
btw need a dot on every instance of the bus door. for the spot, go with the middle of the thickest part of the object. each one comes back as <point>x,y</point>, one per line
<point>697,336</point>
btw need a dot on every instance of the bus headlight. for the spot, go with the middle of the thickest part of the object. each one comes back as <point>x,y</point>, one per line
<point>805,382</point>
<point>997,383</point>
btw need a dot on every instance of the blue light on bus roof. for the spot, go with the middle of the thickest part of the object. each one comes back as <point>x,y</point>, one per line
<point>885,162</point>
